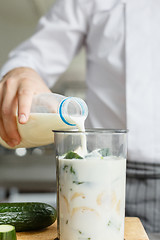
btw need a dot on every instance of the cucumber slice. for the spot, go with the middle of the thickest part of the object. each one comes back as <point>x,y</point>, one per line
<point>7,232</point>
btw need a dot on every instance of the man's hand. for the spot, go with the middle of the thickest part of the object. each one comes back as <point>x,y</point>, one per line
<point>16,90</point>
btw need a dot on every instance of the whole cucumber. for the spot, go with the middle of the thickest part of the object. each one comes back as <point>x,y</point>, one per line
<point>27,216</point>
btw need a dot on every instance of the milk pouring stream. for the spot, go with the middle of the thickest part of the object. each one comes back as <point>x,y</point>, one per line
<point>50,112</point>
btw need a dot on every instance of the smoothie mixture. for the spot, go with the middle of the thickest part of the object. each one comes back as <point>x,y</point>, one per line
<point>91,197</point>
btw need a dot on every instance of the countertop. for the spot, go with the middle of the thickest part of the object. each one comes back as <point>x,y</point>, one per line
<point>134,230</point>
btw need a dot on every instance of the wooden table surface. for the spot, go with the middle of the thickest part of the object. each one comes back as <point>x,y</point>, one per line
<point>134,230</point>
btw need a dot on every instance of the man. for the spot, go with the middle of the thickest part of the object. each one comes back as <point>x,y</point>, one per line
<point>123,55</point>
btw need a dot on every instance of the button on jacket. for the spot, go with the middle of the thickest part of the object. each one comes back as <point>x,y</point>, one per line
<point>122,39</point>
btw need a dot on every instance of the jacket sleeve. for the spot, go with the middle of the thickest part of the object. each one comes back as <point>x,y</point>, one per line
<point>59,36</point>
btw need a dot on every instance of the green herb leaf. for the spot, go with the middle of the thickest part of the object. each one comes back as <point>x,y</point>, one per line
<point>76,182</point>
<point>72,155</point>
<point>109,223</point>
<point>72,170</point>
<point>65,167</point>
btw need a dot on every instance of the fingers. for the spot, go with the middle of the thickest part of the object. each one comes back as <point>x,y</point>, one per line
<point>3,133</point>
<point>8,114</point>
<point>25,95</point>
<point>16,92</point>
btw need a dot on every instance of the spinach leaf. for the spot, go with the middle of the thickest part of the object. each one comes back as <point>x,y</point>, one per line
<point>71,155</point>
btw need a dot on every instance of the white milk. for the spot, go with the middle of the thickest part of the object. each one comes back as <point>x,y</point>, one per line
<point>38,130</point>
<point>82,150</point>
<point>91,198</point>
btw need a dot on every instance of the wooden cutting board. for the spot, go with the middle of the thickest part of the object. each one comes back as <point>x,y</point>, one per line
<point>134,230</point>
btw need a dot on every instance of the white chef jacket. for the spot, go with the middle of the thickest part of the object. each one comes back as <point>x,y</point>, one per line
<point>122,39</point>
